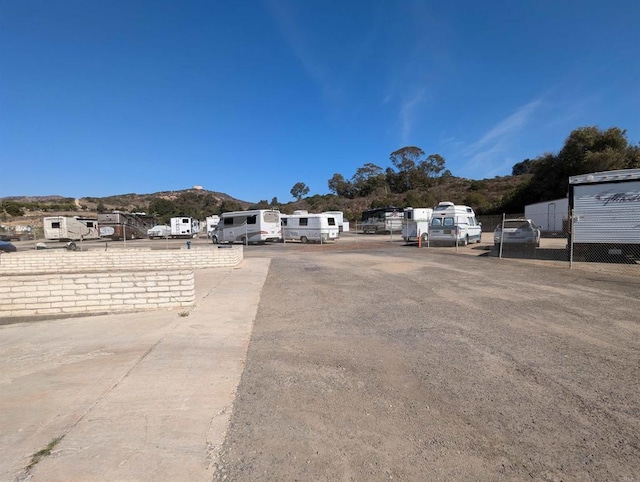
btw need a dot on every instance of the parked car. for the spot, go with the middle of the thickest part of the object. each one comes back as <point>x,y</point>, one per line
<point>518,232</point>
<point>7,247</point>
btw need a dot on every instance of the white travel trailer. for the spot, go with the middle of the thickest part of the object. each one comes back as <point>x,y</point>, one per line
<point>606,216</point>
<point>253,226</point>
<point>416,224</point>
<point>343,226</point>
<point>454,224</point>
<point>66,228</point>
<point>184,227</point>
<point>307,227</point>
<point>211,222</point>
<point>550,216</point>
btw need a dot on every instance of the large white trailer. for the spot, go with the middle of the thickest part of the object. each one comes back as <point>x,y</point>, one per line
<point>320,227</point>
<point>253,226</point>
<point>67,228</point>
<point>605,209</point>
<point>550,216</point>
<point>184,227</point>
<point>416,224</point>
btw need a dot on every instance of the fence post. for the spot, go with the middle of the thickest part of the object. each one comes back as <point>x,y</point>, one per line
<point>572,230</point>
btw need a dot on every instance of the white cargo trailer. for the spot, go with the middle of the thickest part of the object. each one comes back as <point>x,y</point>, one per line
<point>184,227</point>
<point>606,216</point>
<point>550,216</point>
<point>416,224</point>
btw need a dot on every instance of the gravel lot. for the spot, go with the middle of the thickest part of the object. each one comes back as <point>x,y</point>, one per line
<point>378,362</point>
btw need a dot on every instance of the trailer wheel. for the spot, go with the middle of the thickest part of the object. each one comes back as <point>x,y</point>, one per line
<point>243,240</point>
<point>303,240</point>
<point>214,239</point>
<point>71,246</point>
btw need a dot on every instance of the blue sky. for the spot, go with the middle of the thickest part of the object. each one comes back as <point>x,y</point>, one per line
<point>108,97</point>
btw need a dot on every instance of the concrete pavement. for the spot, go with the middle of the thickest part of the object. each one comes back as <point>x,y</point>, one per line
<point>141,396</point>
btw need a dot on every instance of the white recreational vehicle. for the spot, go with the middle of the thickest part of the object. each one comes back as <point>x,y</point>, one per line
<point>253,226</point>
<point>66,228</point>
<point>304,227</point>
<point>184,227</point>
<point>606,215</point>
<point>550,216</point>
<point>416,224</point>
<point>454,224</point>
<point>343,226</point>
<point>211,223</point>
<point>382,220</point>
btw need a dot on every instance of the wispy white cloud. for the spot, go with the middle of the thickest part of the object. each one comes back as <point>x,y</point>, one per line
<point>408,113</point>
<point>489,155</point>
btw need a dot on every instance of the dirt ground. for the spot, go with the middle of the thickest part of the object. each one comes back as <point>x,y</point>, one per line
<point>422,365</point>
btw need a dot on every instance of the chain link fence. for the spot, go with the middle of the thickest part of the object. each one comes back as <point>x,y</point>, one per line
<point>584,240</point>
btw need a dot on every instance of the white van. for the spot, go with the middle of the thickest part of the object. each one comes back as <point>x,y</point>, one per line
<point>454,224</point>
<point>253,226</point>
<point>310,227</point>
<point>416,224</point>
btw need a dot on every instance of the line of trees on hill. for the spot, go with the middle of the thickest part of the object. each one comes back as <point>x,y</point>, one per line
<point>413,170</point>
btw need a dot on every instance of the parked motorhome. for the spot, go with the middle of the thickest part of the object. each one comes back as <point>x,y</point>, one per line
<point>382,220</point>
<point>253,226</point>
<point>184,227</point>
<point>454,224</point>
<point>416,224</point>
<point>321,227</point>
<point>159,231</point>
<point>549,216</point>
<point>120,225</point>
<point>66,228</point>
<point>606,215</point>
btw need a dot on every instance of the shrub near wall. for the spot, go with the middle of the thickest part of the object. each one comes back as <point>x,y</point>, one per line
<point>93,293</point>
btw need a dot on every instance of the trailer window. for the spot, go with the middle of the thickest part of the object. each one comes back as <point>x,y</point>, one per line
<point>271,216</point>
<point>252,219</point>
<point>89,224</point>
<point>304,221</point>
<point>228,221</point>
<point>284,221</point>
<point>331,221</point>
<point>55,225</point>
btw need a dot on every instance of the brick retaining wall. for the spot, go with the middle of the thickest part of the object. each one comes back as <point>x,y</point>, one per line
<point>62,261</point>
<point>91,293</point>
<point>36,284</point>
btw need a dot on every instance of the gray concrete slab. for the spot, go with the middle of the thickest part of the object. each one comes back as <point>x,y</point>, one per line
<point>142,396</point>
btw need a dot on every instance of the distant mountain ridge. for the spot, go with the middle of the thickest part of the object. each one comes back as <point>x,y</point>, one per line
<point>125,202</point>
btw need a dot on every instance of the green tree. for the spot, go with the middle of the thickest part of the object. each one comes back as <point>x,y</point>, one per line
<point>413,170</point>
<point>299,190</point>
<point>12,208</point>
<point>340,186</point>
<point>367,179</point>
